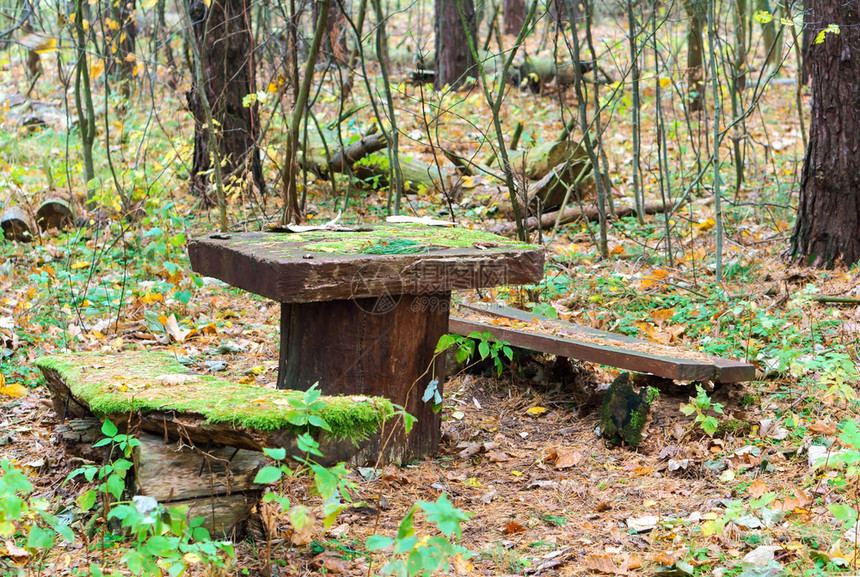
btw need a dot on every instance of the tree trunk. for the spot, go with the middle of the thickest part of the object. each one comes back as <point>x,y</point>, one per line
<point>695,50</point>
<point>223,33</point>
<point>334,47</point>
<point>515,15</point>
<point>454,61</point>
<point>828,220</point>
<point>121,60</point>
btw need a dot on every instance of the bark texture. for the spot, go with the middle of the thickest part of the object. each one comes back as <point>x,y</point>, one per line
<point>454,61</point>
<point>515,16</point>
<point>223,33</point>
<point>827,230</point>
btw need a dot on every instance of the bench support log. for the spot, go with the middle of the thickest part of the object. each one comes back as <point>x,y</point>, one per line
<point>380,346</point>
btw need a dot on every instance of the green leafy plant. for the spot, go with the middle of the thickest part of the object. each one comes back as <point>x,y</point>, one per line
<point>485,344</point>
<point>330,483</point>
<point>111,476</point>
<point>414,556</point>
<point>26,519</point>
<point>700,405</point>
<point>163,539</point>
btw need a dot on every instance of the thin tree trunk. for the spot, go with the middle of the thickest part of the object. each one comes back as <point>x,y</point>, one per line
<point>695,51</point>
<point>83,97</point>
<point>292,212</point>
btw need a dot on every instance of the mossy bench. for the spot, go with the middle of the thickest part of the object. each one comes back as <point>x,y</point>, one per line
<point>220,426</point>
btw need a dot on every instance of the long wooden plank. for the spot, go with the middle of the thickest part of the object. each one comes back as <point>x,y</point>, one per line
<point>676,368</point>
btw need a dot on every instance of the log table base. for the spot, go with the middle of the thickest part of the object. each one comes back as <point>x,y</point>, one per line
<point>380,346</point>
<point>363,309</point>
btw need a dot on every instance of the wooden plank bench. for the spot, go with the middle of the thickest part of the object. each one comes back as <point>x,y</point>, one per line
<point>201,436</point>
<point>362,309</point>
<point>585,343</point>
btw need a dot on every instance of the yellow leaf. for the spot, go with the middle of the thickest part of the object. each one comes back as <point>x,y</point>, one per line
<point>654,278</point>
<point>706,225</point>
<point>150,298</point>
<point>535,411</point>
<point>48,45</point>
<point>14,390</point>
<point>472,482</point>
<point>79,264</point>
<point>763,16</point>
<point>248,380</point>
<point>96,69</point>
<point>256,370</point>
<point>665,82</point>
<point>516,473</point>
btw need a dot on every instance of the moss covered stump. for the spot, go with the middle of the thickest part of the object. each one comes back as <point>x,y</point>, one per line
<point>624,413</point>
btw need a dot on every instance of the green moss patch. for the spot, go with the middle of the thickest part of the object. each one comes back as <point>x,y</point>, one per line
<point>417,237</point>
<point>148,381</point>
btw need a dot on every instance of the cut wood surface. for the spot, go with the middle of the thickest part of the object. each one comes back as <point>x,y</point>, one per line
<point>328,265</point>
<point>55,213</point>
<point>153,392</point>
<point>557,337</point>
<point>16,224</point>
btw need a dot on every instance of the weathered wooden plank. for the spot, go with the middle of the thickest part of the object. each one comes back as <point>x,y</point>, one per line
<point>329,265</point>
<point>605,355</point>
<point>223,514</point>
<point>566,344</point>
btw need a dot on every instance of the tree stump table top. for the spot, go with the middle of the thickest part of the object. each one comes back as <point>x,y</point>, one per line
<point>366,261</point>
<point>362,309</point>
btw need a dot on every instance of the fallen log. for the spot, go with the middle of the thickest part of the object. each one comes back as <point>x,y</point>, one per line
<point>573,214</point>
<point>345,158</point>
<point>364,161</point>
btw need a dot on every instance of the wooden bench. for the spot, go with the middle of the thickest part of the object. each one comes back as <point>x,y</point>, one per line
<point>362,309</point>
<point>557,337</point>
<point>201,436</point>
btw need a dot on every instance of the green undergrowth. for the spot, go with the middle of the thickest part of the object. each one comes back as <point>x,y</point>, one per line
<point>149,381</point>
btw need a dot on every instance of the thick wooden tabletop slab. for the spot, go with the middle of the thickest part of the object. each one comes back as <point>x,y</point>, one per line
<point>376,261</point>
<point>611,349</point>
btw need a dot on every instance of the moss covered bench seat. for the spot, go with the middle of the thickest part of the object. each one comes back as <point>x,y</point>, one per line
<point>202,437</point>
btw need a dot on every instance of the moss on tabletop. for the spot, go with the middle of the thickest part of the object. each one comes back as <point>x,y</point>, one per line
<point>151,381</point>
<point>420,237</point>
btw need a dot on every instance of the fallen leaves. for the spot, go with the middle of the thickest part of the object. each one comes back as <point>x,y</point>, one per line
<point>14,390</point>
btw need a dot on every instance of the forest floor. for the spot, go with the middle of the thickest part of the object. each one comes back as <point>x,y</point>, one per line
<point>546,494</point>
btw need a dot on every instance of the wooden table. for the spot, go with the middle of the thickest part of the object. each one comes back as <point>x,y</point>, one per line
<point>358,317</point>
